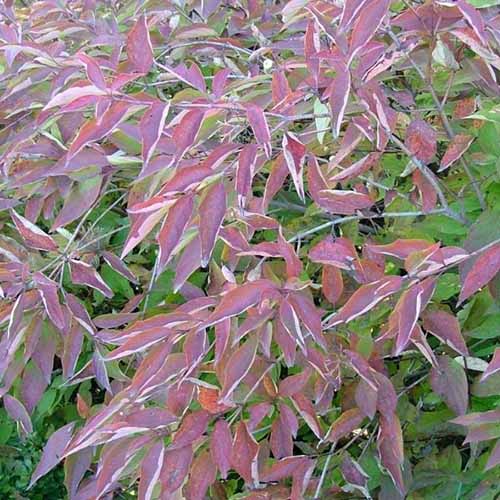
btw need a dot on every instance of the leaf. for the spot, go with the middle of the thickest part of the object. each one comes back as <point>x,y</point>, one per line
<point>493,366</point>
<point>294,152</point>
<point>257,120</point>
<point>193,426</point>
<point>151,125</point>
<point>84,274</point>
<point>94,130</point>
<point>338,96</point>
<point>119,266</point>
<point>357,168</point>
<point>173,227</point>
<point>446,328</point>
<point>421,140</point>
<point>344,425</point>
<point>192,76</point>
<point>339,253</point>
<point>343,202</point>
<point>390,448</point>
<point>53,452</point>
<point>32,235</point>
<point>449,381</point>
<point>244,454</point>
<point>321,120</point>
<point>139,48</point>
<point>369,19</point>
<point>484,269</point>
<point>245,171</point>
<point>203,474</point>
<point>457,147</point>
<point>238,366</point>
<point>332,284</point>
<point>175,468</point>
<point>82,196</point>
<point>150,470</point>
<point>408,309</point>
<point>239,299</point>
<point>221,447</point>
<point>50,298</point>
<point>366,298</point>
<point>17,412</point>
<point>212,211</point>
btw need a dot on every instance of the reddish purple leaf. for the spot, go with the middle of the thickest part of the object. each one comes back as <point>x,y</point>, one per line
<point>220,447</point>
<point>343,202</point>
<point>339,253</point>
<point>446,328</point>
<point>53,452</point>
<point>484,269</point>
<point>493,366</point>
<point>203,474</point>
<point>390,448</point>
<point>32,235</point>
<point>173,228</point>
<point>139,48</point>
<point>421,140</point>
<point>338,95</point>
<point>332,284</point>
<point>244,454</point>
<point>119,266</point>
<point>294,152</point>
<point>50,298</point>
<point>457,147</point>
<point>175,468</point>
<point>238,366</point>
<point>245,171</point>
<point>84,274</point>
<point>151,126</point>
<point>257,120</point>
<point>449,381</point>
<point>212,211</point>
<point>150,470</point>
<point>193,426</point>
<point>17,412</point>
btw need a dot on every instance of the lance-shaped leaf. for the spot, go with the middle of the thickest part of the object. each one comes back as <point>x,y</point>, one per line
<point>32,235</point>
<point>139,48</point>
<point>369,19</point>
<point>151,127</point>
<point>84,274</point>
<point>238,366</point>
<point>446,328</point>
<point>344,202</point>
<point>332,284</point>
<point>53,452</point>
<point>285,467</point>
<point>173,228</point>
<point>408,311</point>
<point>244,454</point>
<point>192,75</point>
<point>119,266</point>
<point>356,169</point>
<point>449,381</point>
<point>294,383</point>
<point>484,269</point>
<point>309,315</point>
<point>294,152</point>
<point>338,95</point>
<point>400,249</point>
<point>474,18</point>
<point>150,470</point>
<point>245,171</point>
<point>344,425</point>
<point>421,140</point>
<point>18,413</point>
<point>212,211</point>
<point>457,147</point>
<point>82,196</point>
<point>257,121</point>
<point>493,366</point>
<point>220,447</point>
<point>366,298</point>
<point>390,448</point>
<point>50,298</point>
<point>202,475</point>
<point>308,413</point>
<point>339,253</point>
<point>240,299</point>
<point>175,468</point>
<point>186,131</point>
<point>193,426</point>
<point>142,225</point>
<point>95,130</point>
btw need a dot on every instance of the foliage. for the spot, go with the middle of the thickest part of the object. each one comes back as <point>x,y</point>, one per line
<point>250,249</point>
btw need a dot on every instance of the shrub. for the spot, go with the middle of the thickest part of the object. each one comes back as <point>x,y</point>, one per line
<point>250,249</point>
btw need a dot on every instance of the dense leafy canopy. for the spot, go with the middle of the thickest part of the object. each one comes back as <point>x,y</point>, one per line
<point>250,249</point>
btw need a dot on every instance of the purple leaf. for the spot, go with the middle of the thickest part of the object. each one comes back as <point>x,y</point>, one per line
<point>84,274</point>
<point>139,48</point>
<point>32,235</point>
<point>151,126</point>
<point>220,447</point>
<point>17,412</point>
<point>212,211</point>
